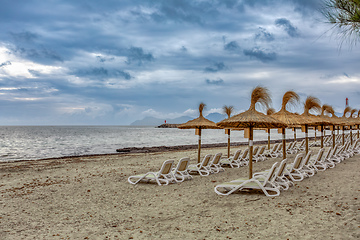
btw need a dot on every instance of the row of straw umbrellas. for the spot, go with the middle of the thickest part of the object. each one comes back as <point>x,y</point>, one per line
<point>283,119</point>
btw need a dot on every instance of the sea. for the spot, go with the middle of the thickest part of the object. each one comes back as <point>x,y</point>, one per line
<point>41,142</point>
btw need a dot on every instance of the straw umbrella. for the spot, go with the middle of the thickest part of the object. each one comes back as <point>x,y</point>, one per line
<point>353,121</point>
<point>251,119</point>
<point>290,119</point>
<point>198,124</point>
<point>311,103</point>
<point>346,122</point>
<point>321,121</point>
<point>329,109</point>
<point>228,110</point>
<point>336,121</point>
<point>269,112</point>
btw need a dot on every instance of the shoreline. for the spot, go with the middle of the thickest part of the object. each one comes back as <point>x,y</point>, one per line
<point>157,149</point>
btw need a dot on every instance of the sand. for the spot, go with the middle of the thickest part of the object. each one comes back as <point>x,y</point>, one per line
<point>90,198</point>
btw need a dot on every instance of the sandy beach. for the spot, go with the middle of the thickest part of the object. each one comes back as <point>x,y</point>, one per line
<point>90,198</point>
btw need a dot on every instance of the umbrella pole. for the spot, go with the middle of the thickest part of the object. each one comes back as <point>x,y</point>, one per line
<point>351,141</point>
<point>294,134</point>
<point>306,139</point>
<point>228,143</point>
<point>284,142</point>
<point>343,135</point>
<point>250,151</point>
<point>315,133</point>
<point>333,133</point>
<point>322,136</point>
<point>199,145</point>
<point>268,138</point>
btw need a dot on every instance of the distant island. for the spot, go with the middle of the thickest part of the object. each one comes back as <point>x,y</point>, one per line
<point>152,121</point>
<point>168,125</point>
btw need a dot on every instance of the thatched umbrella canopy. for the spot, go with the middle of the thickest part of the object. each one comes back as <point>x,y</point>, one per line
<point>333,121</point>
<point>199,124</point>
<point>312,103</point>
<point>291,119</point>
<point>337,121</point>
<point>354,121</point>
<point>228,111</point>
<point>347,122</point>
<point>251,119</point>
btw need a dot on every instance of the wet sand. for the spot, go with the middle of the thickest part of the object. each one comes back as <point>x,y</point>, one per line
<point>90,198</point>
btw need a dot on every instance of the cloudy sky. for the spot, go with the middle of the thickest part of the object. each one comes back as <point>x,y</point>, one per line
<point>117,61</point>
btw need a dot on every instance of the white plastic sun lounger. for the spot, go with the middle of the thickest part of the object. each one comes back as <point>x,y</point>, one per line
<point>232,161</point>
<point>202,168</point>
<point>280,179</point>
<point>215,163</point>
<point>305,167</point>
<point>181,171</point>
<point>164,176</point>
<point>261,182</point>
<point>317,163</point>
<point>272,152</point>
<point>292,170</point>
<point>259,156</point>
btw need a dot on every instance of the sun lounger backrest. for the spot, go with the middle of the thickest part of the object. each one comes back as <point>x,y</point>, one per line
<point>297,161</point>
<point>271,173</point>
<point>245,153</point>
<point>328,153</point>
<point>216,158</point>
<point>274,148</point>
<point>183,164</point>
<point>206,160</point>
<point>319,155</point>
<point>166,167</point>
<point>281,168</point>
<point>237,154</point>
<point>289,146</point>
<point>262,150</point>
<point>255,150</point>
<point>305,161</point>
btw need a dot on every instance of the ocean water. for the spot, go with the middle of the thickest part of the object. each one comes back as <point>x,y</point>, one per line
<point>39,142</point>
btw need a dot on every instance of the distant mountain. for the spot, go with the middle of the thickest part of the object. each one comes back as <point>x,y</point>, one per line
<point>148,121</point>
<point>152,121</point>
<point>216,117</point>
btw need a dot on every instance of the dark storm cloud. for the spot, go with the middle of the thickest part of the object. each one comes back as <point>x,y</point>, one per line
<point>182,11</point>
<point>5,64</point>
<point>104,59</point>
<point>215,82</point>
<point>260,54</point>
<point>183,49</point>
<point>24,36</point>
<point>78,51</point>
<point>232,46</point>
<point>34,72</point>
<point>288,27</point>
<point>102,72</point>
<point>137,54</point>
<point>42,54</point>
<point>264,35</point>
<point>218,66</point>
